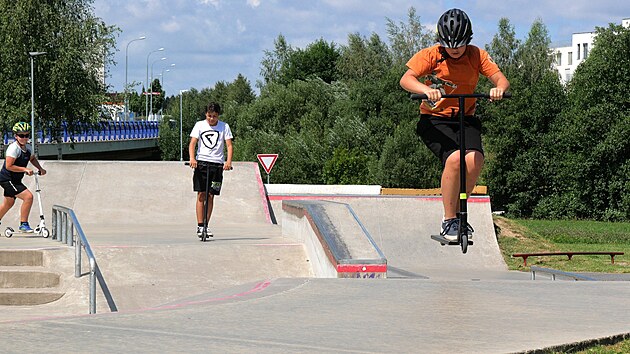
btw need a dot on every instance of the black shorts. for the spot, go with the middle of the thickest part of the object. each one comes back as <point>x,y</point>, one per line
<point>441,135</point>
<point>12,188</point>
<point>215,173</point>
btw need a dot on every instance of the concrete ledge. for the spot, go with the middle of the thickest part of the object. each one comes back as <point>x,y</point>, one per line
<point>338,245</point>
<point>28,297</point>
<point>28,279</point>
<point>32,258</point>
<point>321,189</point>
<point>478,190</point>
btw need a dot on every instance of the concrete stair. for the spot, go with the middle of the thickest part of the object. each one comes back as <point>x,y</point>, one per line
<point>24,281</point>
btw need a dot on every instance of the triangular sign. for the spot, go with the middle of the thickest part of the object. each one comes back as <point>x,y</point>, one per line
<point>267,161</point>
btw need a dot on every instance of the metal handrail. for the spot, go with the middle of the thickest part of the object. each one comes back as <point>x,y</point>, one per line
<point>64,221</point>
<point>554,272</point>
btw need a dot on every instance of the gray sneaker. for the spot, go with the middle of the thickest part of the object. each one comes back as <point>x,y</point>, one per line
<point>450,228</point>
<point>199,230</point>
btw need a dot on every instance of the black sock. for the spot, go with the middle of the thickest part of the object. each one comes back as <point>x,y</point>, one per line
<point>200,224</point>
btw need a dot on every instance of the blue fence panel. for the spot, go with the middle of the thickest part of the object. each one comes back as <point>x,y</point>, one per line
<point>102,131</point>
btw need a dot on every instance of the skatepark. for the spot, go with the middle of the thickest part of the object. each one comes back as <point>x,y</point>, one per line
<point>265,282</point>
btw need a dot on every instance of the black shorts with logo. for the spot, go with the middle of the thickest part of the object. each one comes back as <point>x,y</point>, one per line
<point>441,135</point>
<point>215,173</point>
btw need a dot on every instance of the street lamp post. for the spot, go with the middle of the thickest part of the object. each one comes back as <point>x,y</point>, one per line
<point>146,87</point>
<point>181,135</point>
<point>167,70</point>
<point>32,56</point>
<point>162,77</point>
<point>126,84</point>
<point>151,85</point>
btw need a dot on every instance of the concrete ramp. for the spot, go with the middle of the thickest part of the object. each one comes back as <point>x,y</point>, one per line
<point>143,193</point>
<point>401,228</point>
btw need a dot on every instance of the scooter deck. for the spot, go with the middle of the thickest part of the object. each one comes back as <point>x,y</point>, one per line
<point>25,234</point>
<point>443,241</point>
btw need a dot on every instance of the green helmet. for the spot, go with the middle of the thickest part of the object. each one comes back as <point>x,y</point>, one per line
<point>21,127</point>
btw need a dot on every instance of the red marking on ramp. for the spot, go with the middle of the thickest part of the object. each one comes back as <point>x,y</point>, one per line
<point>362,268</point>
<point>263,195</point>
<point>341,196</point>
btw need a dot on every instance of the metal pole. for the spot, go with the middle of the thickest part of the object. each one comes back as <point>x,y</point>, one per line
<point>126,71</point>
<point>167,70</point>
<point>151,86</point>
<point>92,288</point>
<point>146,86</point>
<point>32,56</point>
<point>181,134</point>
<point>77,258</point>
<point>463,201</point>
<point>162,76</point>
<point>33,107</point>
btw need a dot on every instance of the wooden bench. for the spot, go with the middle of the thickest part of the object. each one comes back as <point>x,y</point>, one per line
<point>568,254</point>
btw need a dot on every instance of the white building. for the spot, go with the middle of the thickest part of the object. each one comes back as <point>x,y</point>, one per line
<point>566,59</point>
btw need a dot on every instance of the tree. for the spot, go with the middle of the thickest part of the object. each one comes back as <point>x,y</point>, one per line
<point>517,130</point>
<point>363,58</point>
<point>69,84</point>
<point>504,46</point>
<point>318,60</point>
<point>157,101</point>
<point>405,162</point>
<point>408,38</point>
<point>591,148</point>
<point>273,61</point>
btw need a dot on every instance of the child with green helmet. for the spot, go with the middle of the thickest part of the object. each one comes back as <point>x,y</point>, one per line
<point>17,157</point>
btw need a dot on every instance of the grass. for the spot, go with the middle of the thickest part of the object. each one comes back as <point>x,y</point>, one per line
<point>527,236</point>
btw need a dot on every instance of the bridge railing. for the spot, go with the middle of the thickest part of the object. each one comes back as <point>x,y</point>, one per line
<point>102,131</point>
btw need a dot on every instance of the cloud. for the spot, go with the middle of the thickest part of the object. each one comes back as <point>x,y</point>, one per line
<point>171,26</point>
<point>240,27</point>
<point>253,3</point>
<point>214,3</point>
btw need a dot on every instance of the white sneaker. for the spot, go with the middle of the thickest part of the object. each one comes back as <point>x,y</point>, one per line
<point>200,232</point>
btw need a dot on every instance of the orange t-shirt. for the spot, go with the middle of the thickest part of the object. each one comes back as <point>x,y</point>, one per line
<point>453,76</point>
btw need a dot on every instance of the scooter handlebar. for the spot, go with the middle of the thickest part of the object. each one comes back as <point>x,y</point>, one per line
<point>188,164</point>
<point>422,96</point>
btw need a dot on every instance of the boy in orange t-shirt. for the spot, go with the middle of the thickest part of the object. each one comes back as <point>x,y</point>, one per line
<point>452,67</point>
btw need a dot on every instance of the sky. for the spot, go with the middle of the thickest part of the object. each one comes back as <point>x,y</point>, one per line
<point>214,40</point>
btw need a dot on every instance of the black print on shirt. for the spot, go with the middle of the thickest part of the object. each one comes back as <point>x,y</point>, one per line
<point>210,138</point>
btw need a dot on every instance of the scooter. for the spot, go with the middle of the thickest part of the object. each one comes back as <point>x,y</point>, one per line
<point>463,231</point>
<point>41,229</point>
<point>204,233</point>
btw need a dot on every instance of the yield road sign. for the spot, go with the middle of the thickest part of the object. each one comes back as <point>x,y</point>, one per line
<point>267,161</point>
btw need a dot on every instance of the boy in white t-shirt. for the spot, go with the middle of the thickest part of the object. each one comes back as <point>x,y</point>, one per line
<point>208,139</point>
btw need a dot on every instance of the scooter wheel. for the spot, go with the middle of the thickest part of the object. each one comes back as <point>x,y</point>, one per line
<point>45,232</point>
<point>8,232</point>
<point>464,243</point>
